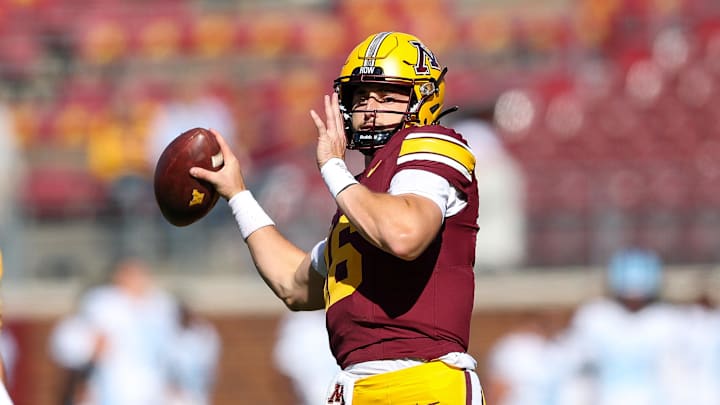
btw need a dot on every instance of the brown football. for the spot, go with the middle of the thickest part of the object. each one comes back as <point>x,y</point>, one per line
<point>182,198</point>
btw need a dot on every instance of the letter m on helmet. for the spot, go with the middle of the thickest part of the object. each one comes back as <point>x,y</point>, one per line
<point>426,59</point>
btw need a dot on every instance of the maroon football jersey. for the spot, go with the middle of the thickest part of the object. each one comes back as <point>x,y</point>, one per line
<point>382,307</point>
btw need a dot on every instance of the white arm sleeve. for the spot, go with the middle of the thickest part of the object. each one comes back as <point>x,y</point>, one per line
<point>317,258</point>
<point>428,185</point>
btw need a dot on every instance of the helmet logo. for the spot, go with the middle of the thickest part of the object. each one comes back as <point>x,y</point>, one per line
<point>427,89</point>
<point>425,58</point>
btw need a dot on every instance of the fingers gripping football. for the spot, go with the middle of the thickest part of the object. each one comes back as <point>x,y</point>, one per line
<point>229,180</point>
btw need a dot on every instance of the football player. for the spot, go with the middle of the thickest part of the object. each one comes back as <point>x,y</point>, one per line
<point>626,343</point>
<point>395,273</point>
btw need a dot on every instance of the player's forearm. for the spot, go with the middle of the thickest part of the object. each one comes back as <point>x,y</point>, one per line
<point>282,265</point>
<point>397,224</point>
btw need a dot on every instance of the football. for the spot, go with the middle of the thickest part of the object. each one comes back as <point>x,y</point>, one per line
<point>182,198</point>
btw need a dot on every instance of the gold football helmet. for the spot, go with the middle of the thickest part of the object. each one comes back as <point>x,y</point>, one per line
<point>396,59</point>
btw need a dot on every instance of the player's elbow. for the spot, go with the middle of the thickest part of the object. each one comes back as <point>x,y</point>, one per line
<point>406,246</point>
<point>406,254</point>
<point>297,305</point>
<point>303,300</point>
<point>293,303</point>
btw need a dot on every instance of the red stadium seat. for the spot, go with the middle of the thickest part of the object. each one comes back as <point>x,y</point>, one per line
<point>363,18</point>
<point>20,49</point>
<point>159,38</point>
<point>322,37</point>
<point>213,35</point>
<point>102,40</point>
<point>267,34</point>
<point>485,31</point>
<point>58,192</point>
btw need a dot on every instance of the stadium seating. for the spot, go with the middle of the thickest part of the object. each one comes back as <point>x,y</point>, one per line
<point>623,96</point>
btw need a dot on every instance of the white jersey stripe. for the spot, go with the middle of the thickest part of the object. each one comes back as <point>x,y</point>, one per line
<point>436,158</point>
<point>416,135</point>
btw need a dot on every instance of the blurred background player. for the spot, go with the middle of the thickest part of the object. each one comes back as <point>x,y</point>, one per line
<point>501,239</point>
<point>697,374</point>
<point>627,342</point>
<point>76,348</point>
<point>302,354</point>
<point>119,338</point>
<point>194,356</point>
<point>531,365</point>
<point>402,243</point>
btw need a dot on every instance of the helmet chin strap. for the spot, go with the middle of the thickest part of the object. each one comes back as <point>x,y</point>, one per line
<point>446,112</point>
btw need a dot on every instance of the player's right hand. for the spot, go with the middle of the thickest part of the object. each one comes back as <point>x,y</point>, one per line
<point>229,180</point>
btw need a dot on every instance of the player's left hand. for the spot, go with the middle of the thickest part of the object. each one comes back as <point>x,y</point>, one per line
<point>331,133</point>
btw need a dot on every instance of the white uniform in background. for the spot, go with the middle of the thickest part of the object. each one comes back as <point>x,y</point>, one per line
<point>137,332</point>
<point>194,356</point>
<point>697,379</point>
<point>533,369</point>
<point>302,353</point>
<point>630,355</point>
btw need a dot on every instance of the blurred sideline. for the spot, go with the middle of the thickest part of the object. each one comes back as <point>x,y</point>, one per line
<point>248,295</point>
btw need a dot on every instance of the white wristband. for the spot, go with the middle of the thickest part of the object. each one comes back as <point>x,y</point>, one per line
<point>249,215</point>
<point>336,175</point>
